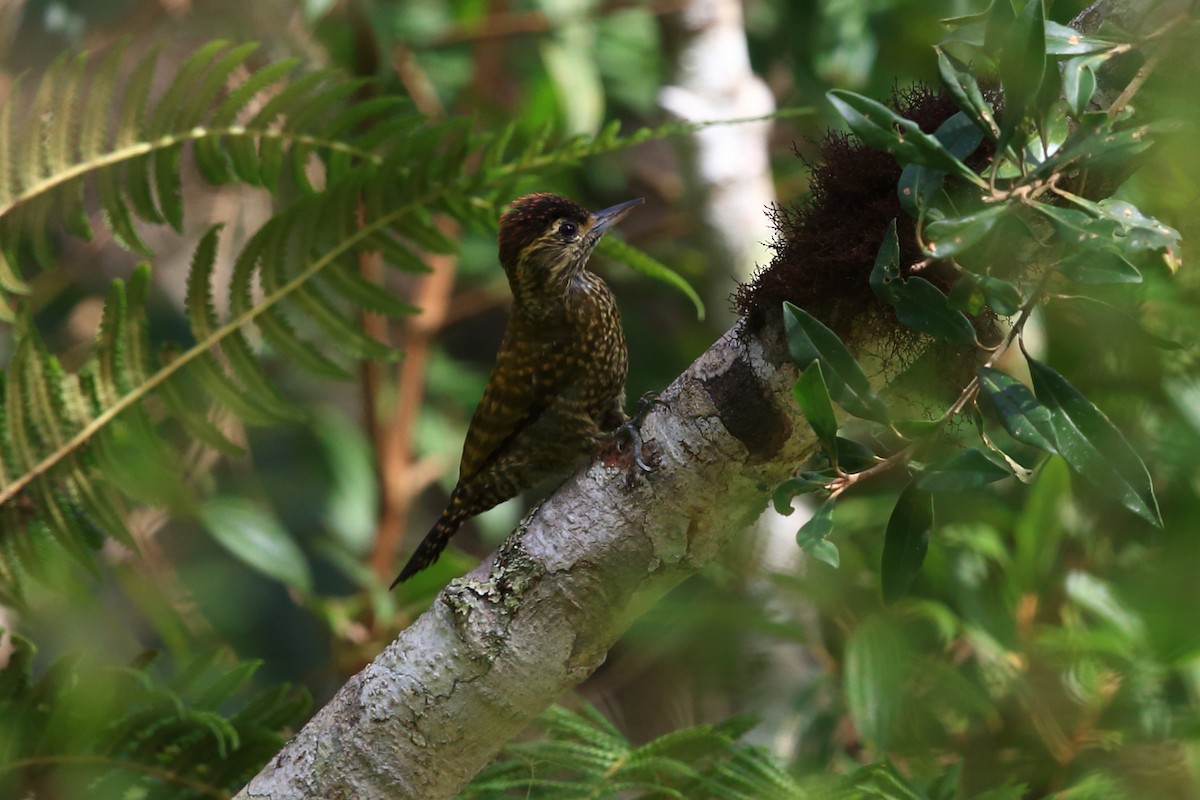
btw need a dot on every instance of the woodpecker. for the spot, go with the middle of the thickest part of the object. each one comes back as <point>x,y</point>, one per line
<point>557,391</point>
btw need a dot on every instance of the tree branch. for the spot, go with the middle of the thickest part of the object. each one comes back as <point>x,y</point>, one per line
<point>501,644</point>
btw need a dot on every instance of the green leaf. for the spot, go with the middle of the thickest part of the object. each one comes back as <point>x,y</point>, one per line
<point>1022,66</point>
<point>1140,232</point>
<point>812,395</point>
<point>945,238</point>
<point>1096,142</point>
<point>919,184</point>
<point>1079,82</point>
<point>808,482</point>
<point>918,303</point>
<point>922,307</point>
<point>1100,266</point>
<point>1003,298</point>
<point>967,295</point>
<point>1040,528</point>
<point>818,526</point>
<point>1025,419</point>
<point>882,129</point>
<point>1098,597</point>
<point>854,456</point>
<point>1092,446</point>
<point>826,552</point>
<point>964,89</point>
<point>960,135</point>
<point>351,504</point>
<point>644,264</point>
<point>1114,224</point>
<point>1064,41</point>
<point>255,537</point>
<point>969,469</point>
<point>1000,20</point>
<point>885,275</point>
<point>906,541</point>
<point>809,340</point>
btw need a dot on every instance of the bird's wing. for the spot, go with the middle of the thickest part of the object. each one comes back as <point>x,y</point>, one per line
<point>523,384</point>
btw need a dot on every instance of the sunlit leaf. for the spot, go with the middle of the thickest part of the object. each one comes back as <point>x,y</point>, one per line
<point>1098,597</point>
<point>1079,82</point>
<point>1040,527</point>
<point>1141,232</point>
<point>351,506</point>
<point>1065,41</point>
<point>1096,142</point>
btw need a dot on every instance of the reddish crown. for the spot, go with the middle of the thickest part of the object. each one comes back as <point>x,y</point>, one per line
<point>528,217</point>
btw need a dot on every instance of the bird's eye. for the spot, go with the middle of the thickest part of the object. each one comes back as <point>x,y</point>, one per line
<point>568,229</point>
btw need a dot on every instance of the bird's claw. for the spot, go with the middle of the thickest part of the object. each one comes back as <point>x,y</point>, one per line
<point>631,429</point>
<point>647,401</point>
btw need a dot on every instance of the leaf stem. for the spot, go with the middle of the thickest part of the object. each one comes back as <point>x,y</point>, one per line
<point>843,482</point>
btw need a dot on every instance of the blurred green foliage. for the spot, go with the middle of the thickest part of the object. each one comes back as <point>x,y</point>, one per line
<point>1047,648</point>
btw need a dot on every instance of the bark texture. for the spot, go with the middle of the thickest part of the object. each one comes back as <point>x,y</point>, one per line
<point>504,642</point>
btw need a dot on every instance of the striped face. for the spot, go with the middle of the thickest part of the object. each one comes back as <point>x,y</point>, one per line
<point>545,241</point>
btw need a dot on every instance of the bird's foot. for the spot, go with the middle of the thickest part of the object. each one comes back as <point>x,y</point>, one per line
<point>631,429</point>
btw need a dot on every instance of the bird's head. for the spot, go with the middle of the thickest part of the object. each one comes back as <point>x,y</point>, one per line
<point>545,241</point>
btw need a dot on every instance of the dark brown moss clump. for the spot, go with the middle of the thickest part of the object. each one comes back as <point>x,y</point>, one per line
<point>825,245</point>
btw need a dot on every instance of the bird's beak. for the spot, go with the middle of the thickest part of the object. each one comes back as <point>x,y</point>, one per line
<point>611,216</point>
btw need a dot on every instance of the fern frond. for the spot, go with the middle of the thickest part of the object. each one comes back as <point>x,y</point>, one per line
<point>53,145</point>
<point>100,731</point>
<point>584,755</point>
<point>296,280</point>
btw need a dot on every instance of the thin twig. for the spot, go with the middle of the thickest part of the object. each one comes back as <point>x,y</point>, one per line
<point>843,482</point>
<point>393,438</point>
<point>397,487</point>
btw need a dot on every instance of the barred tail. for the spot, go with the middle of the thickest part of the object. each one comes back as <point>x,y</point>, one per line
<point>436,540</point>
